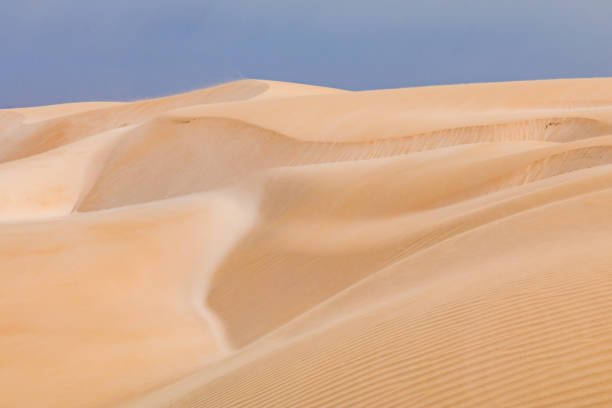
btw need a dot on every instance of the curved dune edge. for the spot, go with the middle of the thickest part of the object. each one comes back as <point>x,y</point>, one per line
<point>262,243</point>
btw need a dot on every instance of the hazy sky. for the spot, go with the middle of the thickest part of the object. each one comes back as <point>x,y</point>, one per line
<point>55,51</point>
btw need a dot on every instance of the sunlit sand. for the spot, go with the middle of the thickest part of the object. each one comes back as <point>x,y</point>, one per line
<point>268,244</point>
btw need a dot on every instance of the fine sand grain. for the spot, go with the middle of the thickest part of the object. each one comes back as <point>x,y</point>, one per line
<point>268,244</point>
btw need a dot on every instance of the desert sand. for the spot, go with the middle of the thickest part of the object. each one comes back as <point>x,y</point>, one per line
<point>268,244</point>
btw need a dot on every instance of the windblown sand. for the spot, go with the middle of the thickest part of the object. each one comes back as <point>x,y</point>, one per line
<point>266,244</point>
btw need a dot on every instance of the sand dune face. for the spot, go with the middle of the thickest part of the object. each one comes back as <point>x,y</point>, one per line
<point>263,244</point>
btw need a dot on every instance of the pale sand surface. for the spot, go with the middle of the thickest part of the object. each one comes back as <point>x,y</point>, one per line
<point>267,244</point>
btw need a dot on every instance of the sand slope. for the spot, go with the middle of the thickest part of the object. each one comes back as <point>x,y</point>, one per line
<point>263,244</point>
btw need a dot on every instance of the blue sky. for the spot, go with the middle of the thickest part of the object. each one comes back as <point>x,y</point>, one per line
<point>54,51</point>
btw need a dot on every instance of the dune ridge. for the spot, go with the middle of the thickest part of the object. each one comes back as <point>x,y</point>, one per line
<point>261,243</point>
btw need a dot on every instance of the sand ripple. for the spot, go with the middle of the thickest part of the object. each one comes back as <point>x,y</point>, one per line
<point>266,244</point>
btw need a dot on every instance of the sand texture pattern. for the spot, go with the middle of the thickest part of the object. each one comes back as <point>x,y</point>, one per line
<point>268,244</point>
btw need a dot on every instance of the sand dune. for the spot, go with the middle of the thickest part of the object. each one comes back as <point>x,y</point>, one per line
<point>260,244</point>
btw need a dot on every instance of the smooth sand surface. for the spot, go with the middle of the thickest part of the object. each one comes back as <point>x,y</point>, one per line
<point>267,244</point>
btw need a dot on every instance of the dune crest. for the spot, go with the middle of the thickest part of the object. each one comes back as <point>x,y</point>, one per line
<point>261,243</point>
